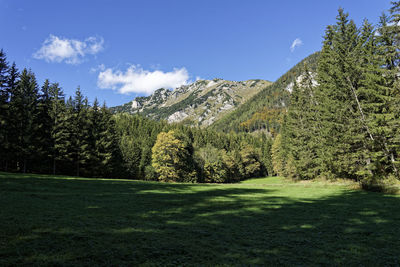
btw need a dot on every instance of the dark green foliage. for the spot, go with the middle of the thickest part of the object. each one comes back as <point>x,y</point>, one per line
<point>44,122</point>
<point>59,127</point>
<point>301,129</point>
<point>23,127</point>
<point>4,109</point>
<point>345,125</point>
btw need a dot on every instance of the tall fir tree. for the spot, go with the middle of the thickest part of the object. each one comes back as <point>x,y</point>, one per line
<point>23,107</point>
<point>44,123</point>
<point>59,131</point>
<point>301,134</point>
<point>4,108</point>
<point>80,132</point>
<point>344,133</point>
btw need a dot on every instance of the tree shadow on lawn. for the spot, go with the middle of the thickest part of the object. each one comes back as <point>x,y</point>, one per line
<point>61,222</point>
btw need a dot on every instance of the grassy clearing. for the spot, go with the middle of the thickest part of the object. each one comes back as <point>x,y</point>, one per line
<point>47,220</point>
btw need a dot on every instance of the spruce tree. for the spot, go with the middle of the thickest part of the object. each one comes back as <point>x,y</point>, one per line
<point>23,107</point>
<point>107,146</point>
<point>344,152</point>
<point>4,108</point>
<point>59,131</point>
<point>44,123</point>
<point>301,134</point>
<point>10,151</point>
<point>80,132</point>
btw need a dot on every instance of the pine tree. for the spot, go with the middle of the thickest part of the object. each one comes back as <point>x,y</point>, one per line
<point>104,143</point>
<point>94,161</point>
<point>23,107</point>
<point>266,158</point>
<point>80,132</point>
<point>12,83</point>
<point>58,126</point>
<point>44,123</point>
<point>301,128</point>
<point>389,52</point>
<point>344,150</point>
<point>4,108</point>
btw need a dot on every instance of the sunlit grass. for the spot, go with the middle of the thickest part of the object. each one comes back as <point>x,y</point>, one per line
<point>46,220</point>
<point>266,180</point>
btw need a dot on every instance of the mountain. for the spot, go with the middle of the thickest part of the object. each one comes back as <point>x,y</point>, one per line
<point>264,111</point>
<point>200,103</point>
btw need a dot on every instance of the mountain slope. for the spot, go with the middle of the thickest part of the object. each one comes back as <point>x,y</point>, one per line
<point>200,103</point>
<point>264,110</point>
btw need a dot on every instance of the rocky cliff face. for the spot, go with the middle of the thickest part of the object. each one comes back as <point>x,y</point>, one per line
<point>200,103</point>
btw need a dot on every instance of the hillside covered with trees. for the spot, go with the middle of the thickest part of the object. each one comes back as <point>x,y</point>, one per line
<point>264,111</point>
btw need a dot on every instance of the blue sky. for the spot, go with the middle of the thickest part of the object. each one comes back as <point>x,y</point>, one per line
<point>116,50</point>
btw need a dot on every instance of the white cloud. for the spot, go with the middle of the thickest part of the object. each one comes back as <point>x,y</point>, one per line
<point>138,80</point>
<point>297,42</point>
<point>71,51</point>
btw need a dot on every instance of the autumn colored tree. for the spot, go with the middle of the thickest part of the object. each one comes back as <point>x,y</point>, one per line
<point>168,158</point>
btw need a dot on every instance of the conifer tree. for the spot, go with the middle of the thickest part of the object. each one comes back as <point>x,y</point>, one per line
<point>23,106</point>
<point>80,131</point>
<point>4,108</point>
<point>389,51</point>
<point>301,134</point>
<point>43,122</point>
<point>344,129</point>
<point>59,130</point>
<point>266,158</point>
<point>8,145</point>
<point>105,152</point>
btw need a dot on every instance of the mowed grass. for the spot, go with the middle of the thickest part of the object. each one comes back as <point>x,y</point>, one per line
<point>61,221</point>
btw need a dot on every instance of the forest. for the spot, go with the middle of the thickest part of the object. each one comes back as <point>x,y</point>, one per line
<point>340,120</point>
<point>43,132</point>
<point>343,121</point>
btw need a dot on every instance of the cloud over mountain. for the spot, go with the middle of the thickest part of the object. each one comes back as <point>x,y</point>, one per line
<point>138,80</point>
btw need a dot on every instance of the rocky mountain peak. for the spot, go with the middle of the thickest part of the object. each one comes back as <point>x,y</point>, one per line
<point>199,103</point>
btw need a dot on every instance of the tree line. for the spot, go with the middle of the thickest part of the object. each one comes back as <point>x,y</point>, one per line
<point>157,150</point>
<point>42,131</point>
<point>343,120</point>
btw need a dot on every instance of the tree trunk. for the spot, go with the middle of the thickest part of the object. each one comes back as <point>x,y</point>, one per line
<point>24,165</point>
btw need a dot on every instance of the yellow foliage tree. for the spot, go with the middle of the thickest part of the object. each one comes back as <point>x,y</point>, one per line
<point>168,157</point>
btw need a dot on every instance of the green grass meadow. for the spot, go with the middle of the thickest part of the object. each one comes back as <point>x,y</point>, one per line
<point>66,221</point>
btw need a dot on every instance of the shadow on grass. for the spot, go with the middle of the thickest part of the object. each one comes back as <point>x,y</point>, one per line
<point>95,222</point>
